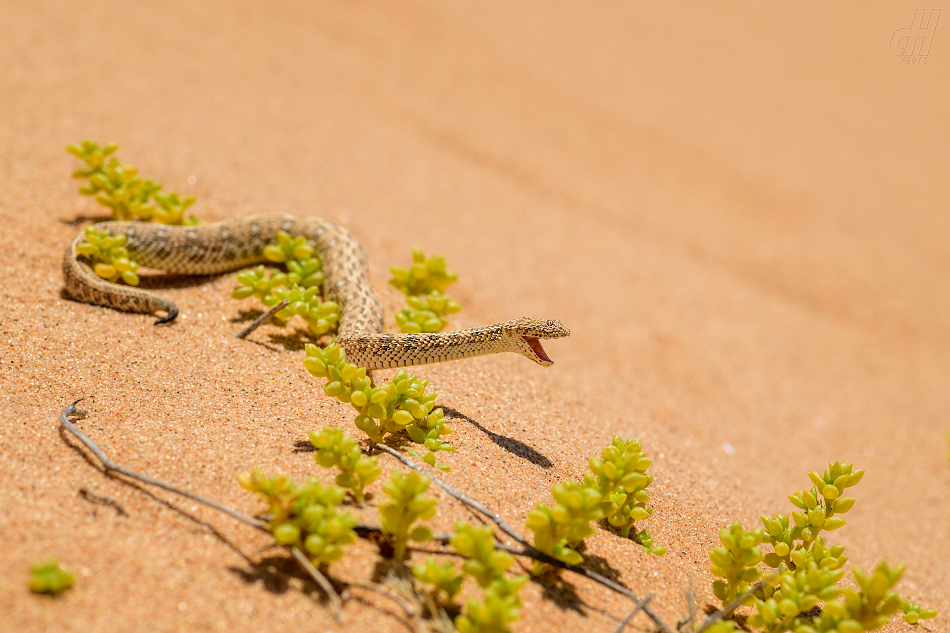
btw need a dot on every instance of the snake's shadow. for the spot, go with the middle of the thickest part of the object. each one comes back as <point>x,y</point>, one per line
<point>164,281</point>
<point>515,447</point>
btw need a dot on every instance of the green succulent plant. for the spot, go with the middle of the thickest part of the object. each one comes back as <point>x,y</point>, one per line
<point>487,565</point>
<point>423,276</point>
<point>620,476</point>
<point>335,449</point>
<point>427,313</point>
<point>490,615</point>
<point>288,249</point>
<point>120,188</point>
<point>914,612</point>
<point>300,285</point>
<point>614,490</point>
<point>407,503</point>
<point>796,593</point>
<point>259,282</point>
<point>48,577</point>
<point>307,516</point>
<point>424,284</point>
<point>484,562</point>
<point>110,258</point>
<point>808,571</point>
<point>645,540</point>
<point>445,580</point>
<point>322,317</point>
<point>559,529</point>
<point>401,404</point>
<point>171,209</point>
<point>736,560</point>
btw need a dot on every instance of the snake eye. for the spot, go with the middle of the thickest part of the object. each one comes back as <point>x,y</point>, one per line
<point>551,323</point>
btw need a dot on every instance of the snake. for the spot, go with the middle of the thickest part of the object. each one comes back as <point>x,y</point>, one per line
<point>221,247</point>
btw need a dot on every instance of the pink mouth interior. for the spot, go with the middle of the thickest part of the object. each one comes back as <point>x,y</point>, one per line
<point>536,346</point>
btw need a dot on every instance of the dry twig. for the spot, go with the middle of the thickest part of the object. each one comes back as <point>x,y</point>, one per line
<point>735,604</point>
<point>630,615</point>
<point>111,467</point>
<point>321,580</point>
<point>528,550</point>
<point>261,320</point>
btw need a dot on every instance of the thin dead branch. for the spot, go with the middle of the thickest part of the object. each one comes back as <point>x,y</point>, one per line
<point>261,320</point>
<point>623,624</point>
<point>528,550</point>
<point>320,580</point>
<point>111,467</point>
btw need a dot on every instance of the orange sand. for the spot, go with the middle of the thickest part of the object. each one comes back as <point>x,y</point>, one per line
<point>741,214</point>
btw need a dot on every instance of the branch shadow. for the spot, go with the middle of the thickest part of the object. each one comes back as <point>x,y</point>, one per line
<point>561,592</point>
<point>70,442</point>
<point>602,566</point>
<point>166,281</point>
<point>80,219</point>
<point>295,342</point>
<point>515,447</point>
<point>275,573</point>
<point>246,316</point>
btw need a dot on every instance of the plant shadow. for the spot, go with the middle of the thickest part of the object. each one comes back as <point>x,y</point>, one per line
<point>515,447</point>
<point>246,316</point>
<point>275,573</point>
<point>166,281</point>
<point>561,592</point>
<point>80,219</point>
<point>602,566</point>
<point>69,440</point>
<point>295,342</point>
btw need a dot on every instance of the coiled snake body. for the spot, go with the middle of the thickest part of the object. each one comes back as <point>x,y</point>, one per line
<point>221,247</point>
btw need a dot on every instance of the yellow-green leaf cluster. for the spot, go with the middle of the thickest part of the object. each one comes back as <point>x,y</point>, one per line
<point>645,540</point>
<point>336,449</point>
<point>795,593</point>
<point>914,612</point>
<point>559,529</point>
<point>305,516</point>
<point>259,282</point>
<point>321,316</point>
<point>866,609</point>
<point>171,209</point>
<point>445,580</point>
<point>424,284</point>
<point>49,577</point>
<point>491,615</point>
<point>424,276</point>
<point>817,507</point>
<point>407,504</point>
<point>401,404</point>
<point>487,565</point>
<point>288,249</point>
<point>427,313</point>
<point>300,285</point>
<point>808,571</point>
<point>109,257</point>
<point>620,476</point>
<point>615,489</point>
<point>735,561</point>
<point>120,188</point>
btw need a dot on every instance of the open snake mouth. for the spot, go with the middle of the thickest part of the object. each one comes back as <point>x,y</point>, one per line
<point>535,345</point>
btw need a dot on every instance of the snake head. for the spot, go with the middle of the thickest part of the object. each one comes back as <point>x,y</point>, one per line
<point>524,336</point>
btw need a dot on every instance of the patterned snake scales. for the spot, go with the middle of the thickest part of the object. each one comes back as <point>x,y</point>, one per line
<point>212,249</point>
